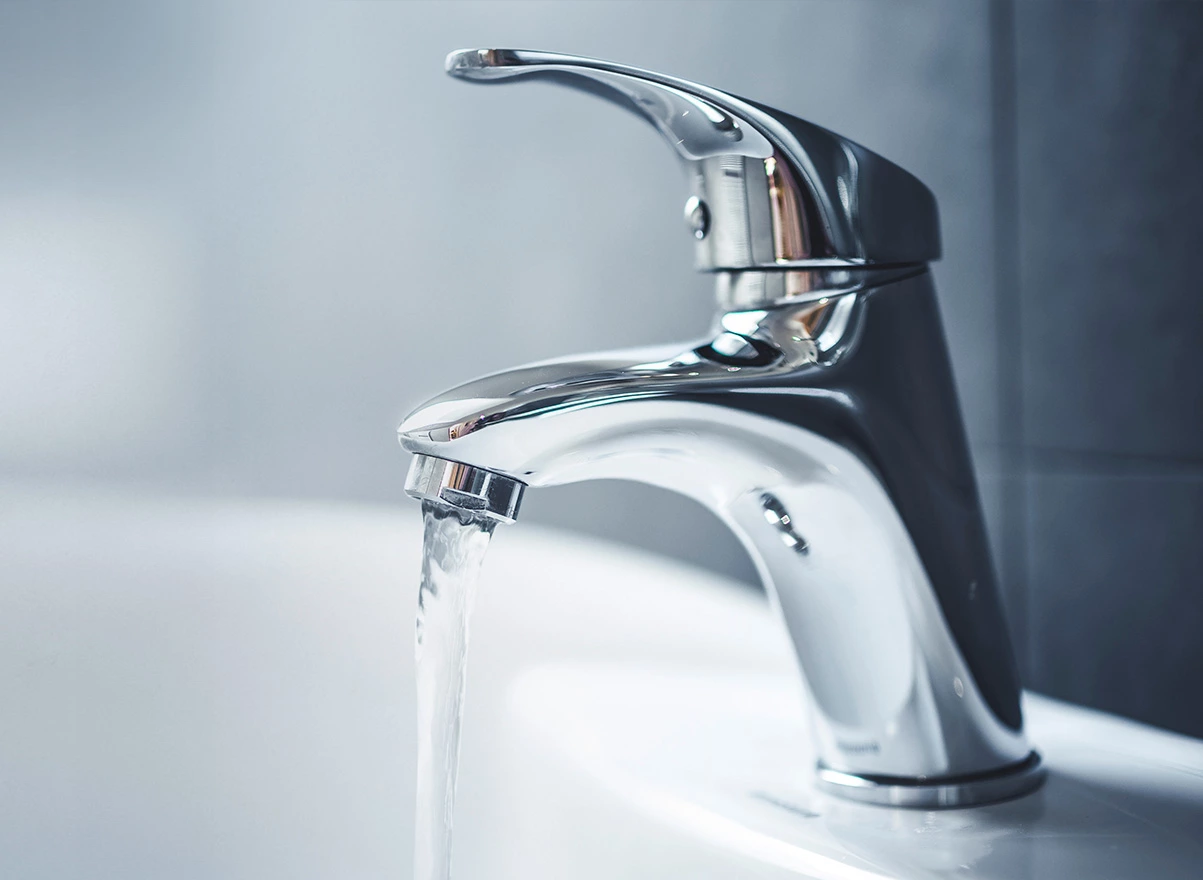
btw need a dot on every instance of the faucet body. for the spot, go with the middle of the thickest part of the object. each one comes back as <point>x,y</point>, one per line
<point>835,452</point>
<point>820,422</point>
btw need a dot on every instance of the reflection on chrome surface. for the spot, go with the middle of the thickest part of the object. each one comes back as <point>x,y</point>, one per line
<point>818,420</point>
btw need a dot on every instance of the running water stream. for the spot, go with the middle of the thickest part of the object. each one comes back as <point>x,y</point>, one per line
<point>455,546</point>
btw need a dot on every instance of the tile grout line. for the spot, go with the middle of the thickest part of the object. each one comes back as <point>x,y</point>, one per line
<point>1087,462</point>
<point>1013,564</point>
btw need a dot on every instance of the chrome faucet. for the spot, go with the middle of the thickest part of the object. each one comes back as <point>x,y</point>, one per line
<point>818,420</point>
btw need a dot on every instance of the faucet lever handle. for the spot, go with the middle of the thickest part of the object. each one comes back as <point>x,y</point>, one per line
<point>770,191</point>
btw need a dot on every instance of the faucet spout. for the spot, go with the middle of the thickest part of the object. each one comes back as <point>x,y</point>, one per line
<point>823,429</point>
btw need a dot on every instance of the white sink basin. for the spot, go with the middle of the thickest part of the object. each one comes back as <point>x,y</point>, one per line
<point>224,690</point>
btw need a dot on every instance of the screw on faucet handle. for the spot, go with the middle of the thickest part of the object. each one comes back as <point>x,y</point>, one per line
<point>776,192</point>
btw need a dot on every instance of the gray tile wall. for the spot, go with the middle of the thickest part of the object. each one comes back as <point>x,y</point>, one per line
<point>1106,358</point>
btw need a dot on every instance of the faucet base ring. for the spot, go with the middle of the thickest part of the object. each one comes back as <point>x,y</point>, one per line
<point>1005,783</point>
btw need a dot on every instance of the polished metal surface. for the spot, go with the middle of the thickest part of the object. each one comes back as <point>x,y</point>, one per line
<point>974,790</point>
<point>819,421</point>
<point>697,217</point>
<point>778,191</point>
<point>750,289</point>
<point>891,689</point>
<point>476,490</point>
<point>776,515</point>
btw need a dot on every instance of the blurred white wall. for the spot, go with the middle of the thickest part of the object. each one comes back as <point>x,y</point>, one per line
<point>239,241</point>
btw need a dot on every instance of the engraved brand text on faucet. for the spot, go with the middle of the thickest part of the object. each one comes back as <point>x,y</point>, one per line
<point>819,421</point>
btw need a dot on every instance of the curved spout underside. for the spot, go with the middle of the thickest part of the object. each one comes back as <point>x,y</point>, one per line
<point>872,548</point>
<point>871,640</point>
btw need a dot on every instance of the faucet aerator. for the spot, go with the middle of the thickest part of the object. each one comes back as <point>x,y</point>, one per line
<point>480,492</point>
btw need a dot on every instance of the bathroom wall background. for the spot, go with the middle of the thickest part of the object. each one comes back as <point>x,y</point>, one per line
<point>238,241</point>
